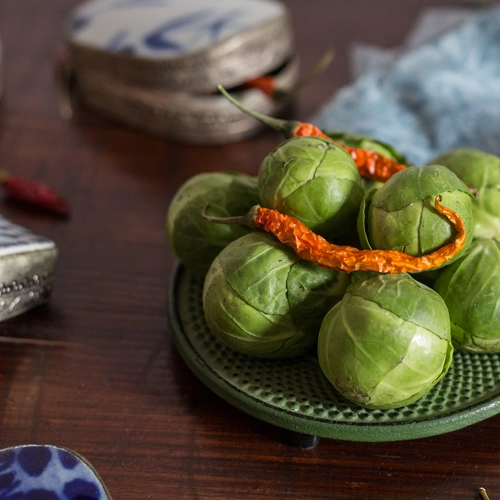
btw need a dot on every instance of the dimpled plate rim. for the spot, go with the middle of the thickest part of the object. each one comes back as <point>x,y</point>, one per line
<point>295,395</point>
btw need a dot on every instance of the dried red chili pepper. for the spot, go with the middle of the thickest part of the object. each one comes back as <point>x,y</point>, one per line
<point>370,164</point>
<point>373,165</point>
<point>270,86</point>
<point>267,84</point>
<point>310,246</point>
<point>33,192</point>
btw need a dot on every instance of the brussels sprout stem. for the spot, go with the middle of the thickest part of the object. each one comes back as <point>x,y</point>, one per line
<point>243,220</point>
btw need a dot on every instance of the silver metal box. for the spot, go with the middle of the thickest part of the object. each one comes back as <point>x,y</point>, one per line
<point>27,268</point>
<point>156,64</point>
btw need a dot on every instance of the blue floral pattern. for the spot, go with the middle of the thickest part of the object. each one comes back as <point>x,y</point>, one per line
<point>166,28</point>
<point>43,472</point>
<point>17,239</point>
<point>440,96</point>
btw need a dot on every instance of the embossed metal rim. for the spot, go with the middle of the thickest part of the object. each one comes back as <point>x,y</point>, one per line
<point>182,116</point>
<point>296,396</point>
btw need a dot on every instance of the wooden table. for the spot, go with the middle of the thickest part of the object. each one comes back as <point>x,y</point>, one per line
<point>95,370</point>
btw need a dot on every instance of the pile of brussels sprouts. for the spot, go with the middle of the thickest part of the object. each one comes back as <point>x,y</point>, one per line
<point>382,340</point>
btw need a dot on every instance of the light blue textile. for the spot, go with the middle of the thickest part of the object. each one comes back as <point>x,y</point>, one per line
<point>440,96</point>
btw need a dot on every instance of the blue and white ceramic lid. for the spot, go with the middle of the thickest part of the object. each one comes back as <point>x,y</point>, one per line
<point>15,239</point>
<point>166,29</point>
<point>188,45</point>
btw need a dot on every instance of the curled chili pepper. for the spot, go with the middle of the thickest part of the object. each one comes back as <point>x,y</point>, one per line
<point>33,192</point>
<point>373,165</point>
<point>310,246</point>
<point>370,164</point>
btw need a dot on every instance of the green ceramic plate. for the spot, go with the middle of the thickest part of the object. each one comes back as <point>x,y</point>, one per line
<point>295,395</point>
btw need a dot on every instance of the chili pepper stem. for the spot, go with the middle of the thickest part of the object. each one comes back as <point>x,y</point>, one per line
<point>64,75</point>
<point>483,493</point>
<point>287,127</point>
<point>279,94</point>
<point>323,63</point>
<point>242,220</point>
<point>4,175</point>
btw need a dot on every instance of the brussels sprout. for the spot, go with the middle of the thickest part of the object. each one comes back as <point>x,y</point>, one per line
<point>315,181</point>
<point>387,342</point>
<point>195,241</point>
<point>260,299</point>
<point>401,214</point>
<point>471,289</point>
<point>481,171</point>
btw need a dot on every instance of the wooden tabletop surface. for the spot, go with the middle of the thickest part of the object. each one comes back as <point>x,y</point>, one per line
<point>95,370</point>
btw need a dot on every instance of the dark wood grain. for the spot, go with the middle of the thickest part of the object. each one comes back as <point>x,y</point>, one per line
<point>95,369</point>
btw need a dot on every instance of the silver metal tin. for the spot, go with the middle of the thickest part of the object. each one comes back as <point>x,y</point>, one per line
<point>191,118</point>
<point>27,268</point>
<point>156,64</point>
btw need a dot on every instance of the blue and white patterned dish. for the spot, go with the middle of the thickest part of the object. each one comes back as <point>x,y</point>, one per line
<point>162,29</point>
<point>46,472</point>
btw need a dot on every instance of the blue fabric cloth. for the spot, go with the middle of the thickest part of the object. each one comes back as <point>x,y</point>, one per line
<point>440,96</point>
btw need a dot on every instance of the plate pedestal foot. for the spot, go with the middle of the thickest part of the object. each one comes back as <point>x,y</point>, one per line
<point>303,441</point>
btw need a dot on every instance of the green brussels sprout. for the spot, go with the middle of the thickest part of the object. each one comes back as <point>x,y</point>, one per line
<point>315,181</point>
<point>387,342</point>
<point>260,299</point>
<point>471,289</point>
<point>480,171</point>
<point>401,214</point>
<point>195,241</point>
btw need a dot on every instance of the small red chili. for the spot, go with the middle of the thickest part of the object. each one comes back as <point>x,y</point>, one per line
<point>33,192</point>
<point>266,84</point>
